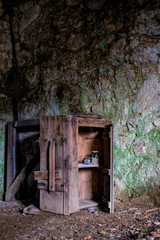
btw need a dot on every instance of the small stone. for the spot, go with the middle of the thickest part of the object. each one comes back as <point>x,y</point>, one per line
<point>157,223</point>
<point>157,122</point>
<point>87,238</point>
<point>103,233</point>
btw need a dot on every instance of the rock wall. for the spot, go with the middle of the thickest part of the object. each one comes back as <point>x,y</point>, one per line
<point>5,103</point>
<point>97,56</point>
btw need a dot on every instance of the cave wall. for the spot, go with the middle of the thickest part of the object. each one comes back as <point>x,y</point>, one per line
<point>95,56</point>
<point>5,103</point>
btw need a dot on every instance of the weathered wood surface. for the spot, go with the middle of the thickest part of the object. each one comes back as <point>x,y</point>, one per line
<point>52,166</point>
<point>111,170</point>
<point>81,165</point>
<point>51,201</point>
<point>11,151</point>
<point>57,134</point>
<point>89,115</point>
<point>107,169</point>
<point>66,132</point>
<point>14,187</point>
<point>39,175</point>
<point>90,122</point>
<point>31,209</point>
<point>27,123</point>
<point>87,142</point>
<point>87,204</point>
<point>51,131</point>
<point>66,165</point>
<point>72,140</point>
<point>90,184</point>
<point>42,184</point>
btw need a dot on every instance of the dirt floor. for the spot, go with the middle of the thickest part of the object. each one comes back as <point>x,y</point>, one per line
<point>128,222</point>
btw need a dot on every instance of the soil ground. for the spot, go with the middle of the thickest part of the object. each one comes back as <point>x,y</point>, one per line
<point>127,222</point>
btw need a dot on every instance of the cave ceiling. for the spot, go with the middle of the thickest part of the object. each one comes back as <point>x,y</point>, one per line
<point>14,2</point>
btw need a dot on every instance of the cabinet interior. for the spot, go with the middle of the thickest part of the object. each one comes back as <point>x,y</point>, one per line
<point>89,175</point>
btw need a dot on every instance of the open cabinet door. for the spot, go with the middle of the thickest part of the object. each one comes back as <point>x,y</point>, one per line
<point>108,168</point>
<point>52,176</point>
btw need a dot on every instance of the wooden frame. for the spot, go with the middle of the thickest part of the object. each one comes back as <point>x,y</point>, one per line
<point>12,180</point>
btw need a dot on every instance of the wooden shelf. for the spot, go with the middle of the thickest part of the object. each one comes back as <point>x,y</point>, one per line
<point>81,165</point>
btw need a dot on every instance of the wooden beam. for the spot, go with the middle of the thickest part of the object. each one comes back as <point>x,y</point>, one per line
<point>40,175</point>
<point>89,115</point>
<point>10,150</point>
<point>42,184</point>
<point>27,123</point>
<point>14,187</point>
<point>93,122</point>
<point>52,166</point>
<point>43,175</point>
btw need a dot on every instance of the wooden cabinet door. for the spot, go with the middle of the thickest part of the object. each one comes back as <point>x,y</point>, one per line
<point>53,181</point>
<point>107,168</point>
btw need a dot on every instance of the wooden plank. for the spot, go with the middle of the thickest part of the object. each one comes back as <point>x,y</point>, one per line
<point>39,175</point>
<point>14,187</point>
<point>72,142</point>
<point>57,135</point>
<point>31,209</point>
<point>44,143</point>
<point>90,184</point>
<point>89,115</point>
<point>81,165</point>
<point>51,201</point>
<point>107,169</point>
<point>66,165</point>
<point>9,157</point>
<point>14,149</point>
<point>152,210</point>
<point>111,171</point>
<point>52,166</point>
<point>85,184</point>
<point>93,122</point>
<point>44,128</point>
<point>88,141</point>
<point>26,123</point>
<point>87,204</point>
<point>42,184</point>
<point>52,130</point>
<point>58,174</point>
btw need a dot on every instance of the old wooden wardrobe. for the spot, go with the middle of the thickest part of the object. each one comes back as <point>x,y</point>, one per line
<point>71,177</point>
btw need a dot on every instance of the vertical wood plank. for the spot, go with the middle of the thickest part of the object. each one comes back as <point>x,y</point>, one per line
<point>108,166</point>
<point>44,144</point>
<point>52,166</point>
<point>53,201</point>
<point>58,135</point>
<point>66,165</point>
<point>16,168</point>
<point>112,174</point>
<point>9,157</point>
<point>72,139</point>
